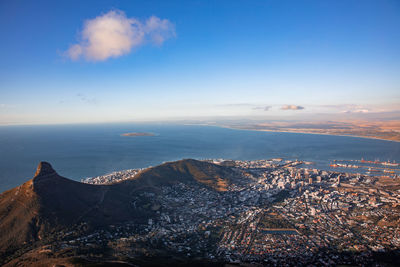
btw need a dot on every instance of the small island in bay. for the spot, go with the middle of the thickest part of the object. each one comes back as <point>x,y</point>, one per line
<point>138,134</point>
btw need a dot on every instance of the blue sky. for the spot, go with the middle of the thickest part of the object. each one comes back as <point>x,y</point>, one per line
<point>214,59</point>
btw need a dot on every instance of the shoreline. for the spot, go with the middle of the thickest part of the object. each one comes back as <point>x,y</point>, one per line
<point>282,131</point>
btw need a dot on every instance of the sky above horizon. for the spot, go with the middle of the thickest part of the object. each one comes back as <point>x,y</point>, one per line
<point>106,61</point>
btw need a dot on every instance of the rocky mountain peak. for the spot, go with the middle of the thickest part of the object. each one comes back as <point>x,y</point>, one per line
<point>44,169</point>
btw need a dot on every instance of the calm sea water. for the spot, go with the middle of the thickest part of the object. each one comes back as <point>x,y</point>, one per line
<point>78,151</point>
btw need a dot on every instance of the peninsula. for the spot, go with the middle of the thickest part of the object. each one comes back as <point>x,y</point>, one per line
<point>383,130</point>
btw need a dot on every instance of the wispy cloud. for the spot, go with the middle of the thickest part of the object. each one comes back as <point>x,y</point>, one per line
<point>159,30</point>
<point>2,105</point>
<point>236,105</point>
<point>265,108</point>
<point>356,108</point>
<point>291,107</point>
<point>114,34</point>
<point>357,111</point>
<point>86,99</point>
<point>353,108</point>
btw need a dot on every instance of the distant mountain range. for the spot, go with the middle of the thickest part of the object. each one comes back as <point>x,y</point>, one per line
<point>38,210</point>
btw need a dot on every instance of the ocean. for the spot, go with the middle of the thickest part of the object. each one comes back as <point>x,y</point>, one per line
<point>80,151</point>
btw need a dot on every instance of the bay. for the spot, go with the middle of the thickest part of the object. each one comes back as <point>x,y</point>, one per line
<point>79,151</point>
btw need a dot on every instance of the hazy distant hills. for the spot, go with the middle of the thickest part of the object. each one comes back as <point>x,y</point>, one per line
<point>48,203</point>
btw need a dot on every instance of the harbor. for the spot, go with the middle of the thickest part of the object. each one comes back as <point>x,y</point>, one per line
<point>386,169</point>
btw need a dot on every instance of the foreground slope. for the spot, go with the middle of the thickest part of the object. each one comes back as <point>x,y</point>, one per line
<point>37,210</point>
<point>48,203</point>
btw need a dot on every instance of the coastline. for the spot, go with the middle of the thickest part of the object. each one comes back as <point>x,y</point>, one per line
<point>283,131</point>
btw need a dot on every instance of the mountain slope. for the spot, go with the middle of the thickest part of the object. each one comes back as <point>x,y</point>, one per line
<point>49,203</point>
<point>187,170</point>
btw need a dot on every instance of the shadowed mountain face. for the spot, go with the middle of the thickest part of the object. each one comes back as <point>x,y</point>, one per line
<point>49,203</point>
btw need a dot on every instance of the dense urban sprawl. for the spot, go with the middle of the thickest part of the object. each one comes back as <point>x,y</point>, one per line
<point>276,212</point>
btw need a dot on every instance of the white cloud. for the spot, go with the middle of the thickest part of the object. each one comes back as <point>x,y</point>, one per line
<point>114,34</point>
<point>291,107</point>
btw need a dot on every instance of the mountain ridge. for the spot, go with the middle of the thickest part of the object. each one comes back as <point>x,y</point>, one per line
<point>49,203</point>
